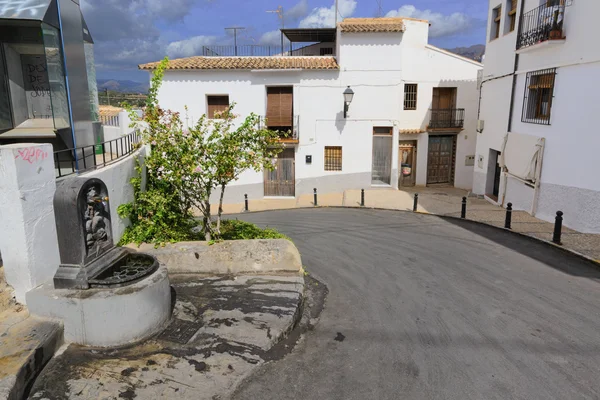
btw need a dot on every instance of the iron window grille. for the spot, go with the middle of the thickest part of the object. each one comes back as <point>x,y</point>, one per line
<point>410,96</point>
<point>333,158</point>
<point>539,94</point>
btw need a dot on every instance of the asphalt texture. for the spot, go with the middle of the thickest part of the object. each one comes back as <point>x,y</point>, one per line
<point>421,307</point>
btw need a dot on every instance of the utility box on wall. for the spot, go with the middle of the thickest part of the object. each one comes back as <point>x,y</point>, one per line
<point>469,161</point>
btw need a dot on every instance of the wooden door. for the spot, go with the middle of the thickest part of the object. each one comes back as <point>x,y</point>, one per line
<point>440,161</point>
<point>407,163</point>
<point>444,105</point>
<point>280,106</point>
<point>280,181</point>
<point>443,98</point>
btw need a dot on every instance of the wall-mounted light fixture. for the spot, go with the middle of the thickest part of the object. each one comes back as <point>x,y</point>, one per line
<point>348,96</point>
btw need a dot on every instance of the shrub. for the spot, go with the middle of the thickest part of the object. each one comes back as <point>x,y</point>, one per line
<point>234,229</point>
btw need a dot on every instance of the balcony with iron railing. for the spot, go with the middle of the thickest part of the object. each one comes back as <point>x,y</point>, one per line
<point>287,134</point>
<point>302,50</point>
<point>447,118</point>
<point>542,24</point>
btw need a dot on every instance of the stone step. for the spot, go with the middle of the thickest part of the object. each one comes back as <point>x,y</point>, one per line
<point>27,343</point>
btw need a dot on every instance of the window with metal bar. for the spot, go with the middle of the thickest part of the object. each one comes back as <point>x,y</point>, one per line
<point>410,96</point>
<point>333,158</point>
<point>539,93</point>
<point>512,14</point>
<point>216,105</point>
<point>496,18</point>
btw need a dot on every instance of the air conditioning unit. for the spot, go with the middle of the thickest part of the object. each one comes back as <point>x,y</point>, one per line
<point>480,125</point>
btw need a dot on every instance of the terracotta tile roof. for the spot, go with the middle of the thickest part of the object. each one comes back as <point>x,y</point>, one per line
<point>248,63</point>
<point>410,131</point>
<point>109,111</point>
<point>364,25</point>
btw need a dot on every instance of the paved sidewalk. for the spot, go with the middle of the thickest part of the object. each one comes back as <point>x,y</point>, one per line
<point>222,329</point>
<point>432,200</point>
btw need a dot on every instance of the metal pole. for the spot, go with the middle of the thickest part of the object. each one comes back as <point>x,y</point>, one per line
<point>362,197</point>
<point>558,228</point>
<point>463,211</point>
<point>416,202</point>
<point>336,13</point>
<point>315,195</point>
<point>246,202</point>
<point>508,220</point>
<point>235,29</point>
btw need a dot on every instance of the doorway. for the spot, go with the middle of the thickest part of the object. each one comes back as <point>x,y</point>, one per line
<point>493,175</point>
<point>280,181</point>
<point>381,170</point>
<point>440,159</point>
<point>407,163</point>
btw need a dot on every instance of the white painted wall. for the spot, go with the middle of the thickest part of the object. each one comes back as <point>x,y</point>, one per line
<point>28,240</point>
<point>117,178</point>
<point>376,66</point>
<point>115,132</point>
<point>569,182</point>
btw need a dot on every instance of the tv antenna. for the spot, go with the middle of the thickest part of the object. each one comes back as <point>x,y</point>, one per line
<point>279,13</point>
<point>379,8</point>
<point>235,29</point>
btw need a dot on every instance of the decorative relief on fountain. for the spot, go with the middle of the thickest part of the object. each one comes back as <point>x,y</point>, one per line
<point>96,217</point>
<point>88,255</point>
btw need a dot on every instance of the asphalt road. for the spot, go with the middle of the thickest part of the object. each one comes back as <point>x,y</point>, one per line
<point>435,309</point>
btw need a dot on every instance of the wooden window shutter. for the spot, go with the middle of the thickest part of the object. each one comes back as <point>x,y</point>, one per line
<point>280,109</point>
<point>216,104</point>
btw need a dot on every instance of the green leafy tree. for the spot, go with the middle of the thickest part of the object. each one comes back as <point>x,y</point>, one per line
<point>187,165</point>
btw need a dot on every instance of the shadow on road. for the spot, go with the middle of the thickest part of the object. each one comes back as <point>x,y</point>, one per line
<point>542,252</point>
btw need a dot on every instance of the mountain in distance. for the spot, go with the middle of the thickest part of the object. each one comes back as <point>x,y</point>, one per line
<point>122,86</point>
<point>474,52</point>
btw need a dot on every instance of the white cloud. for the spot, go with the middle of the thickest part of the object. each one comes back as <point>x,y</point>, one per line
<point>189,47</point>
<point>324,17</point>
<point>272,38</point>
<point>298,11</point>
<point>441,25</point>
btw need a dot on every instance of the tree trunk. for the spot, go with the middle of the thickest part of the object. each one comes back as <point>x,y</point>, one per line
<point>207,219</point>
<point>220,210</point>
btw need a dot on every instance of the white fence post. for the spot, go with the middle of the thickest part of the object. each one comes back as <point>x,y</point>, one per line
<point>28,239</point>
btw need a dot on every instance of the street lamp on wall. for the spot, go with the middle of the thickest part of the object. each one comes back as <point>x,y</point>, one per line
<point>348,96</point>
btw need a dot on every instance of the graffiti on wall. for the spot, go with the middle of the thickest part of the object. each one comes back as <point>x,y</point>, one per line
<point>32,154</point>
<point>37,85</point>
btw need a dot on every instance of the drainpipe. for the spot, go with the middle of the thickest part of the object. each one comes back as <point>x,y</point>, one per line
<point>512,95</point>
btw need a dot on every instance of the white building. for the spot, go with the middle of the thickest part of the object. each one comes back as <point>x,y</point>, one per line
<point>538,107</point>
<point>411,121</point>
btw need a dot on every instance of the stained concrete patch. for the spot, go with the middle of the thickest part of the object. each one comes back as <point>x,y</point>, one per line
<point>26,345</point>
<point>236,328</point>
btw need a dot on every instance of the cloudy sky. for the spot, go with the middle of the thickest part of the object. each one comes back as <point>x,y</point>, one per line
<point>130,32</point>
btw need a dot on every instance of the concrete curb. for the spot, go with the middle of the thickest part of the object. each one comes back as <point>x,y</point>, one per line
<point>30,346</point>
<point>546,242</point>
<point>235,257</point>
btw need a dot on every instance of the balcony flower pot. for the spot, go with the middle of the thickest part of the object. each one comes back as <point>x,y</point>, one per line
<point>555,34</point>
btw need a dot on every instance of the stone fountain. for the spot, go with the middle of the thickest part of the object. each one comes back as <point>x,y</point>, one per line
<point>106,295</point>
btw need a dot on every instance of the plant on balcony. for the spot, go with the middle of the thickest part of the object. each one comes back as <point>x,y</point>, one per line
<point>187,165</point>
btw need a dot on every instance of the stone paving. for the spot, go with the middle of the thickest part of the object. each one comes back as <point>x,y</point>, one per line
<point>435,200</point>
<point>222,328</point>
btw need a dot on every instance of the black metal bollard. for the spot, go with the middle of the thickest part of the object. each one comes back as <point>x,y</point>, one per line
<point>362,197</point>
<point>558,228</point>
<point>315,190</point>
<point>463,211</point>
<point>508,220</point>
<point>416,202</point>
<point>246,202</point>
